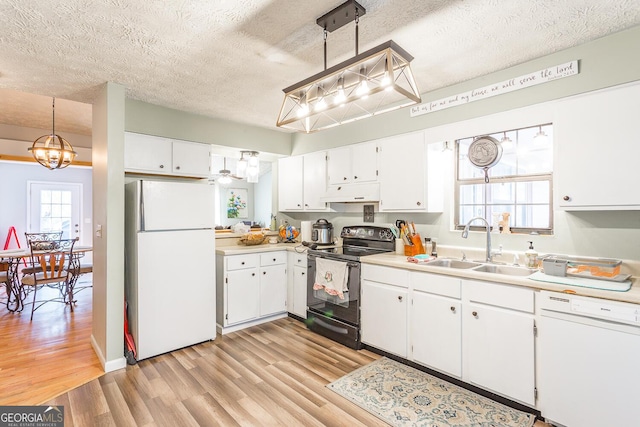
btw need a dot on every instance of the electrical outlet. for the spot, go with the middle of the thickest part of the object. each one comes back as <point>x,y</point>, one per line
<point>368,213</point>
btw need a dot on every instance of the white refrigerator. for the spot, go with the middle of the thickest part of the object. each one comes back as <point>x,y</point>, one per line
<point>169,265</point>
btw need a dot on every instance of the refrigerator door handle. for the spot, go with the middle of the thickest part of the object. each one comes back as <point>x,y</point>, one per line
<point>141,201</point>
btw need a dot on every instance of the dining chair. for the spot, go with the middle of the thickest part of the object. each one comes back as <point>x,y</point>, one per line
<point>52,264</point>
<point>44,239</point>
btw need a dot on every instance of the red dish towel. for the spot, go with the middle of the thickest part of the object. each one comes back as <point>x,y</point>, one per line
<point>331,276</point>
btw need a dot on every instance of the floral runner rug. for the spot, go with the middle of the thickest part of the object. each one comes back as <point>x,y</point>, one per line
<point>403,396</point>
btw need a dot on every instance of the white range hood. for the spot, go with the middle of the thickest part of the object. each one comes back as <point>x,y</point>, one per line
<point>352,193</point>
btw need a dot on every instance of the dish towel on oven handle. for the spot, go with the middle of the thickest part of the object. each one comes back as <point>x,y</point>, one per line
<point>331,276</point>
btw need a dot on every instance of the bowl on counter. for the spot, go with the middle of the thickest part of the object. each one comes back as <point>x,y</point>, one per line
<point>252,239</point>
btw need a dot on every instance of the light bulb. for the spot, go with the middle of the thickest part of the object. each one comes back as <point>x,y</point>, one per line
<point>340,96</point>
<point>321,104</point>
<point>224,179</point>
<point>303,110</point>
<point>363,87</point>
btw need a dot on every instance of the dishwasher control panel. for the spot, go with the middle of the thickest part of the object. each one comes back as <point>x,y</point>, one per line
<point>613,311</point>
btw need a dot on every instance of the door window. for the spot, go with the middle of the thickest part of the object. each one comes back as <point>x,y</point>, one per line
<point>55,207</point>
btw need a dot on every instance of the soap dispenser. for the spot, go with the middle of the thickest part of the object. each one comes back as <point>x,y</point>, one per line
<point>531,256</point>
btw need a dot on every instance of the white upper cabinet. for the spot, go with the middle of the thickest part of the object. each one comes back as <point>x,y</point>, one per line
<point>353,164</point>
<point>190,158</point>
<point>302,180</point>
<point>146,153</point>
<point>597,140</point>
<point>157,155</point>
<point>409,172</point>
<point>314,180</point>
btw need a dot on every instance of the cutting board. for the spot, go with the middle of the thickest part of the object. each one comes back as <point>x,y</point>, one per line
<point>585,283</point>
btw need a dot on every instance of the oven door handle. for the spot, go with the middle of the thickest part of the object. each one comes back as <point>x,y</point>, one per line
<point>336,329</point>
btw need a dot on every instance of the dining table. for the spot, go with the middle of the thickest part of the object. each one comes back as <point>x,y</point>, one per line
<point>14,258</point>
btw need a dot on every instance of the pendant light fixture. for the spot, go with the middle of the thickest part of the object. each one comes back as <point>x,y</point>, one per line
<point>241,166</point>
<point>373,82</point>
<point>52,151</point>
<point>253,167</point>
<point>540,138</point>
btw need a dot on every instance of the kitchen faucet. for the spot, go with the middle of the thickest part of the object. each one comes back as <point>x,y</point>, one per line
<point>465,234</point>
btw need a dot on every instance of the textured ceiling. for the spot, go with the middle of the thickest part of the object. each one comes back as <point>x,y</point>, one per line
<point>231,58</point>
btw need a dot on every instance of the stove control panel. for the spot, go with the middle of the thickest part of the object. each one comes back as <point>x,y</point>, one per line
<point>382,234</point>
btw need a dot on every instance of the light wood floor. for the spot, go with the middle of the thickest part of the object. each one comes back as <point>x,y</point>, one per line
<point>48,356</point>
<point>268,375</point>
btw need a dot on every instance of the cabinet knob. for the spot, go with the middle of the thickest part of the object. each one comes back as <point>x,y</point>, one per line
<point>355,177</point>
<point>474,313</point>
<point>303,273</point>
<point>419,203</point>
<point>177,168</point>
<point>566,198</point>
<point>253,274</point>
<point>453,309</point>
<point>161,166</point>
<point>242,263</point>
<point>306,205</point>
<point>400,298</point>
<point>298,205</point>
<point>274,260</point>
<point>344,178</point>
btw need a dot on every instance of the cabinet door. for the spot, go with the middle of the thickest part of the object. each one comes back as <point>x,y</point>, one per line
<point>191,159</point>
<point>384,317</point>
<point>498,351</point>
<point>402,173</point>
<point>436,337</point>
<point>146,153</point>
<point>273,290</point>
<point>290,173</point>
<point>243,295</point>
<point>364,162</point>
<point>300,291</point>
<point>315,180</point>
<point>597,150</point>
<point>339,166</point>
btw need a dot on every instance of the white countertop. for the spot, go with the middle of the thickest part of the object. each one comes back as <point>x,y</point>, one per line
<point>400,261</point>
<point>265,247</point>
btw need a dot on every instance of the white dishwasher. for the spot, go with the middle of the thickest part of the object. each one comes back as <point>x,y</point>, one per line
<point>588,361</point>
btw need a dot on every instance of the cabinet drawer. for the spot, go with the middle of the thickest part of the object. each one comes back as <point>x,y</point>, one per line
<point>299,260</point>
<point>273,258</point>
<point>388,275</point>
<point>238,262</point>
<point>506,296</point>
<point>435,284</point>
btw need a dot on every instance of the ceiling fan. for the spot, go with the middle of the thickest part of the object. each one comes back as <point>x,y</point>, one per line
<point>224,175</point>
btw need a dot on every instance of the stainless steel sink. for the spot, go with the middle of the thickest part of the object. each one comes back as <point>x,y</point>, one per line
<point>505,269</point>
<point>453,263</point>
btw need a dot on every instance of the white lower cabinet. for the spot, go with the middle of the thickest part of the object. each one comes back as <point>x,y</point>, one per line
<point>384,308</point>
<point>250,287</point>
<point>498,336</point>
<point>480,332</point>
<point>436,327</point>
<point>243,296</point>
<point>297,285</point>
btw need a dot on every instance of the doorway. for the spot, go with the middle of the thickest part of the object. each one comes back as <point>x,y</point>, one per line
<point>55,206</point>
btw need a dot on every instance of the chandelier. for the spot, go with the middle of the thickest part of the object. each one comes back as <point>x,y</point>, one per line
<point>52,151</point>
<point>373,82</point>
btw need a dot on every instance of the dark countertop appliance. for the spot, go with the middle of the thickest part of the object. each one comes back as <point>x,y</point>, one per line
<point>330,315</point>
<point>322,232</point>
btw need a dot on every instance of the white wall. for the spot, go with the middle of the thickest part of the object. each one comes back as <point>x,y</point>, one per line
<point>13,195</point>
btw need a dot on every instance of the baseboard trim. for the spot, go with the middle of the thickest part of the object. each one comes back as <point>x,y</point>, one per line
<point>111,365</point>
<point>228,329</point>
